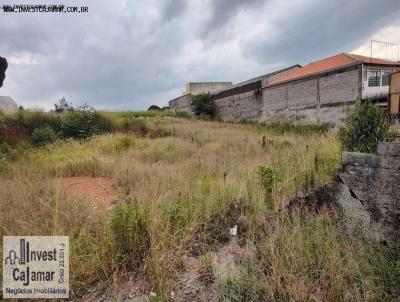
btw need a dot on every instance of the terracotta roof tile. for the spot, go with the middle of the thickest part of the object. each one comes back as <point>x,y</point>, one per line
<point>333,62</point>
<point>369,60</point>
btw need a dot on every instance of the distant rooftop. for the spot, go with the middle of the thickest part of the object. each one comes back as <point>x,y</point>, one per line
<point>265,75</point>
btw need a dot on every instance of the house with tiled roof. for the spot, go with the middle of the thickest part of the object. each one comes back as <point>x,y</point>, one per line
<point>322,91</point>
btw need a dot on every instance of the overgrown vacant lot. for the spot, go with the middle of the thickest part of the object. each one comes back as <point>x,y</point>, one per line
<point>182,184</point>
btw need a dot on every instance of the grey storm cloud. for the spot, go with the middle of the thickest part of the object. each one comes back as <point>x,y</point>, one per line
<point>173,9</point>
<point>222,11</point>
<point>131,54</point>
<point>324,29</point>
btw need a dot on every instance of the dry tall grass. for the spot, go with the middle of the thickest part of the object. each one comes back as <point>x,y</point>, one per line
<point>183,187</point>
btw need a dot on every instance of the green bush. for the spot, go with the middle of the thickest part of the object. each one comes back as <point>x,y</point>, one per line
<point>43,136</point>
<point>204,105</point>
<point>83,124</point>
<point>364,128</point>
<point>39,119</point>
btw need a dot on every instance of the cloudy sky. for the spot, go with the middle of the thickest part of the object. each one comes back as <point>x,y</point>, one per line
<point>129,54</point>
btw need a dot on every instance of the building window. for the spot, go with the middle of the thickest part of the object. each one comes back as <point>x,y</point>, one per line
<point>385,76</point>
<point>374,77</point>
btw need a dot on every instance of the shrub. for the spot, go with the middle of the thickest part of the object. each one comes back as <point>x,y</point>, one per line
<point>130,225</point>
<point>43,136</point>
<point>203,105</point>
<point>39,119</point>
<point>268,178</point>
<point>83,124</point>
<point>154,107</point>
<point>364,128</point>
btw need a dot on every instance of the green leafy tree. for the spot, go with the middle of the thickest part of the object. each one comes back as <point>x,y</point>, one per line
<point>203,105</point>
<point>365,127</point>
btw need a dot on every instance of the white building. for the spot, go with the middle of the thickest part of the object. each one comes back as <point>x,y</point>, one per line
<point>7,105</point>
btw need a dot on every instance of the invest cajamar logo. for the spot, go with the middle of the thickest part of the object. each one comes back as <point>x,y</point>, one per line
<point>25,256</point>
<point>35,267</point>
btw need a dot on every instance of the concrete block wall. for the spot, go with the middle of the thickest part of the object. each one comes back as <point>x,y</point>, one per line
<point>275,98</point>
<point>325,98</point>
<point>182,103</point>
<point>302,94</point>
<point>369,192</point>
<point>249,105</point>
<point>339,87</point>
<point>243,106</point>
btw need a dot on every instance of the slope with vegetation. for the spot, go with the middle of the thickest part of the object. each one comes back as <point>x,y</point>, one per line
<point>183,184</point>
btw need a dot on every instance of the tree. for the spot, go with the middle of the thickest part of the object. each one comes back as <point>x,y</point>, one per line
<point>63,105</point>
<point>154,107</point>
<point>203,105</point>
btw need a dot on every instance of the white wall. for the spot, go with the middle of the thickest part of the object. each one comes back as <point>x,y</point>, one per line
<point>376,91</point>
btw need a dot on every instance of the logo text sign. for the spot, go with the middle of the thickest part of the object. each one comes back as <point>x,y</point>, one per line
<point>35,267</point>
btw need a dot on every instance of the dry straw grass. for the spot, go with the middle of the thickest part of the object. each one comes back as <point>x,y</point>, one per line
<point>179,189</point>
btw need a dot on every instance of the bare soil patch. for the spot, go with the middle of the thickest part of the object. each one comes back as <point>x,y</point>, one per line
<point>13,133</point>
<point>102,190</point>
